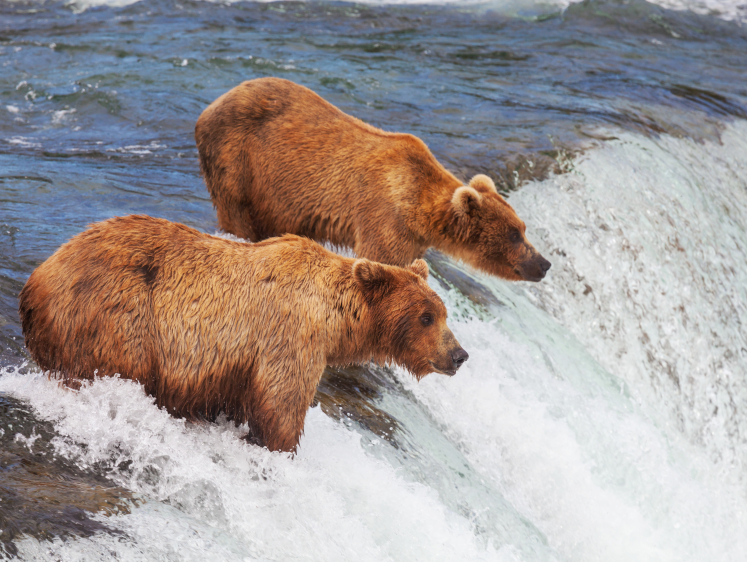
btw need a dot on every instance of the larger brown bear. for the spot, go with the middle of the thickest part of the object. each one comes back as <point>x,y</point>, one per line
<point>208,325</point>
<point>277,159</point>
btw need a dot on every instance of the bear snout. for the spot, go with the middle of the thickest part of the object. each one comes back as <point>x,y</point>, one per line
<point>544,265</point>
<point>451,363</point>
<point>535,269</point>
<point>458,357</point>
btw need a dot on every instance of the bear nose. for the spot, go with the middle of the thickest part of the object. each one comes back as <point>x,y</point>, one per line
<point>545,265</point>
<point>459,356</point>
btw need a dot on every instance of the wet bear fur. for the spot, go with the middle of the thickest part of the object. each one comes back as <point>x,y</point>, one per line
<point>277,159</point>
<point>209,325</point>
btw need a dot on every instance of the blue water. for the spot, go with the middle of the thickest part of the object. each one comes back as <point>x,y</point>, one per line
<point>103,102</point>
<point>555,441</point>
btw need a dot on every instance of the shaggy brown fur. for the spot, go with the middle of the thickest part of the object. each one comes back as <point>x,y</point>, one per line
<point>277,159</point>
<point>209,325</point>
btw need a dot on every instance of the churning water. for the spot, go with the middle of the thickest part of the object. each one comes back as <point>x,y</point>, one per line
<point>602,415</point>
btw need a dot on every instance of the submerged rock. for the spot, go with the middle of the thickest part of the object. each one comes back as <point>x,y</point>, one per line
<point>451,277</point>
<point>351,394</point>
<point>41,494</point>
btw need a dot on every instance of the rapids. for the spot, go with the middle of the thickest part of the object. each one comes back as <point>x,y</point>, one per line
<point>602,414</point>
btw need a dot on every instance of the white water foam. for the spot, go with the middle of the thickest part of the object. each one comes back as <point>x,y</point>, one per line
<point>649,240</point>
<point>725,9</point>
<point>208,491</point>
<point>507,6</point>
<point>734,10</point>
<point>564,443</point>
<point>138,149</point>
<point>647,237</point>
<point>23,142</point>
<point>62,116</point>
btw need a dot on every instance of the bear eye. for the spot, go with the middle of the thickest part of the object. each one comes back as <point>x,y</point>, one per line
<point>426,319</point>
<point>514,236</point>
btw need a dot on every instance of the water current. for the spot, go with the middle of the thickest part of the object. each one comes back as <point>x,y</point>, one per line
<point>602,415</point>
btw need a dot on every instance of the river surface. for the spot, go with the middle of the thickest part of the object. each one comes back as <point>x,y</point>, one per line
<point>602,414</point>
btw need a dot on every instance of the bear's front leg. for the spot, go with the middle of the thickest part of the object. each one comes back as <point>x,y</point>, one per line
<point>280,400</point>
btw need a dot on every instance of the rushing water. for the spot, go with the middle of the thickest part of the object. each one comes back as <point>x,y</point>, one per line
<point>603,412</point>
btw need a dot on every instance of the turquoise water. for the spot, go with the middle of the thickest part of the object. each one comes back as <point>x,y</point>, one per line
<point>601,413</point>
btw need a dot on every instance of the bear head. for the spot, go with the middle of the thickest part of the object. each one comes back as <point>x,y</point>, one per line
<point>489,234</point>
<point>408,318</point>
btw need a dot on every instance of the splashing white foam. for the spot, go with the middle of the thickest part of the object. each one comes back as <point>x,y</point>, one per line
<point>570,452</point>
<point>735,10</point>
<point>206,489</point>
<point>23,142</point>
<point>725,9</point>
<point>508,6</point>
<point>648,238</point>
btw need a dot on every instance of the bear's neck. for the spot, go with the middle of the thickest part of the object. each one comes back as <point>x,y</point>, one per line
<point>423,188</point>
<point>351,338</point>
<point>447,232</point>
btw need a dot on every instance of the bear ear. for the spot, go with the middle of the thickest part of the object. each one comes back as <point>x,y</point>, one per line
<point>465,200</point>
<point>419,267</point>
<point>373,277</point>
<point>483,184</point>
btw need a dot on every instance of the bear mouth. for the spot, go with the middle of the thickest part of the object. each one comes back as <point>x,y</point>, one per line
<point>525,277</point>
<point>448,372</point>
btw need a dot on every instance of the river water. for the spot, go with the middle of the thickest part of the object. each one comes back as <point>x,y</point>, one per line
<point>602,415</point>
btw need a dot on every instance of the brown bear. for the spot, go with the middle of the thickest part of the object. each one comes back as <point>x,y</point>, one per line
<point>207,324</point>
<point>277,159</point>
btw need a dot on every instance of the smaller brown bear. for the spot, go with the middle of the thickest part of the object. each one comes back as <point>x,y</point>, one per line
<point>209,325</point>
<point>277,159</point>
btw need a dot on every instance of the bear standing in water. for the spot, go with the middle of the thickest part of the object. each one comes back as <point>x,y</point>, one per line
<point>278,159</point>
<point>209,325</point>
